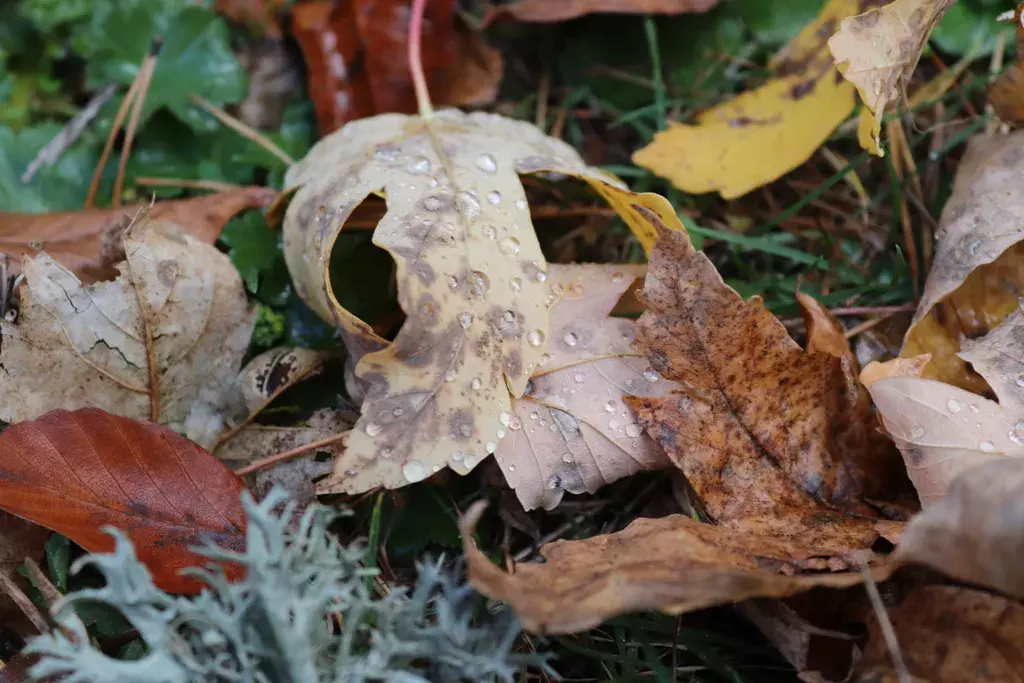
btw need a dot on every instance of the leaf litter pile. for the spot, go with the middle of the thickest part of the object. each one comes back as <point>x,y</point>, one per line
<point>709,373</point>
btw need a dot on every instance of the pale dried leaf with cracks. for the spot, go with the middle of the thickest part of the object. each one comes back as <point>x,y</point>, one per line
<point>472,279</point>
<point>161,342</point>
<point>943,430</point>
<point>878,51</point>
<point>572,432</point>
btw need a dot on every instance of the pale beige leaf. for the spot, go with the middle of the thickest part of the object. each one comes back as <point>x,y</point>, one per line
<point>472,279</point>
<point>943,430</point>
<point>256,441</point>
<point>270,373</point>
<point>672,564</point>
<point>572,432</point>
<point>978,271</point>
<point>878,51</point>
<point>976,532</point>
<point>163,341</point>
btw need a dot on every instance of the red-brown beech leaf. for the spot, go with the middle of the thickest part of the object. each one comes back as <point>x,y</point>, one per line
<point>77,472</point>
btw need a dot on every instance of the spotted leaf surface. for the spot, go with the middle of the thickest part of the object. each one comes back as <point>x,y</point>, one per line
<point>572,431</point>
<point>472,279</point>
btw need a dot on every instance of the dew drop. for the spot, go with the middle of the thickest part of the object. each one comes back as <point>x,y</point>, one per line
<point>509,246</point>
<point>1017,433</point>
<point>515,284</point>
<point>432,203</point>
<point>372,429</point>
<point>465,319</point>
<point>613,424</point>
<point>953,405</point>
<point>414,471</point>
<point>545,359</point>
<point>535,337</point>
<point>501,433</point>
<point>917,432</point>
<point>987,447</point>
<point>453,282</point>
<point>478,283</point>
<point>555,482</point>
<point>489,232</point>
<point>494,197</point>
<point>1020,381</point>
<point>386,452</point>
<point>398,412</point>
<point>476,383</point>
<point>521,204</point>
<point>570,339</point>
<point>651,376</point>
<point>617,277</point>
<point>533,415</point>
<point>511,468</point>
<point>504,418</point>
<point>567,457</point>
<point>515,424</point>
<point>450,375</point>
<point>973,407</point>
<point>457,456</point>
<point>419,164</point>
<point>486,163</point>
<point>633,429</point>
<point>491,446</point>
<point>609,407</point>
<point>469,461</point>
<point>467,205</point>
<point>541,276</point>
<point>578,378</point>
<point>508,316</point>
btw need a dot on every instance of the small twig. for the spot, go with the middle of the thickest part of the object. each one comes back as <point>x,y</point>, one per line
<point>23,602</point>
<point>242,129</point>
<point>873,310</point>
<point>288,455</point>
<point>888,632</point>
<point>122,111</point>
<point>865,326</point>
<point>543,93</point>
<point>52,150</point>
<point>211,185</point>
<point>145,78</point>
<point>419,81</point>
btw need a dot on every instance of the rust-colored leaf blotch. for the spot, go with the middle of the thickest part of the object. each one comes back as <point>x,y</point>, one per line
<point>78,472</point>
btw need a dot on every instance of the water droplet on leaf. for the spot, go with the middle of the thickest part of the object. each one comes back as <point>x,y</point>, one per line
<point>414,471</point>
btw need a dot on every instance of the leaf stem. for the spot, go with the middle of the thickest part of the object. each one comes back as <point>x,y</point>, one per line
<point>289,454</point>
<point>419,81</point>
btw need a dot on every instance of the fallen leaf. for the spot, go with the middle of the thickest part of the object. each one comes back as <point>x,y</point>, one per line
<point>878,51</point>
<point>943,430</point>
<point>1006,92</point>
<point>974,533</point>
<point>77,472</point>
<point>563,10</point>
<point>471,279</point>
<point>572,432</point>
<point>897,367</point>
<point>977,276</point>
<point>19,539</point>
<point>949,635</point>
<point>764,133</point>
<point>163,341</point>
<point>356,54</point>
<point>74,238</point>
<point>258,15</point>
<point>257,441</point>
<point>672,564</point>
<point>775,440</point>
<point>269,374</point>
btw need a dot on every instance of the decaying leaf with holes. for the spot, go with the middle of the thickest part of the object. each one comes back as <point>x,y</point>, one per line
<point>162,342</point>
<point>471,279</point>
<point>775,440</point>
<point>978,272</point>
<point>878,51</point>
<point>764,133</point>
<point>572,431</point>
<point>944,430</point>
<point>672,564</point>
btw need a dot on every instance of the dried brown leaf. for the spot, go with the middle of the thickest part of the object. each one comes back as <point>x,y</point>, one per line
<point>162,342</point>
<point>775,440</point>
<point>572,432</point>
<point>74,238</point>
<point>257,441</point>
<point>950,635</point>
<point>978,271</point>
<point>878,51</point>
<point>1006,92</point>
<point>542,11</point>
<point>672,564</point>
<point>472,279</point>
<point>943,430</point>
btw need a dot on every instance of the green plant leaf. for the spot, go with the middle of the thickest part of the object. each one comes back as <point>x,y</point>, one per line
<point>253,246</point>
<point>62,186</point>
<point>967,23</point>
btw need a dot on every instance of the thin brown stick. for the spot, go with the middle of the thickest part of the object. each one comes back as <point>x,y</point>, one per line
<point>865,326</point>
<point>145,78</point>
<point>543,93</point>
<point>211,185</point>
<point>263,463</point>
<point>888,632</point>
<point>873,310</point>
<point>242,129</point>
<point>122,111</point>
<point>23,602</point>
